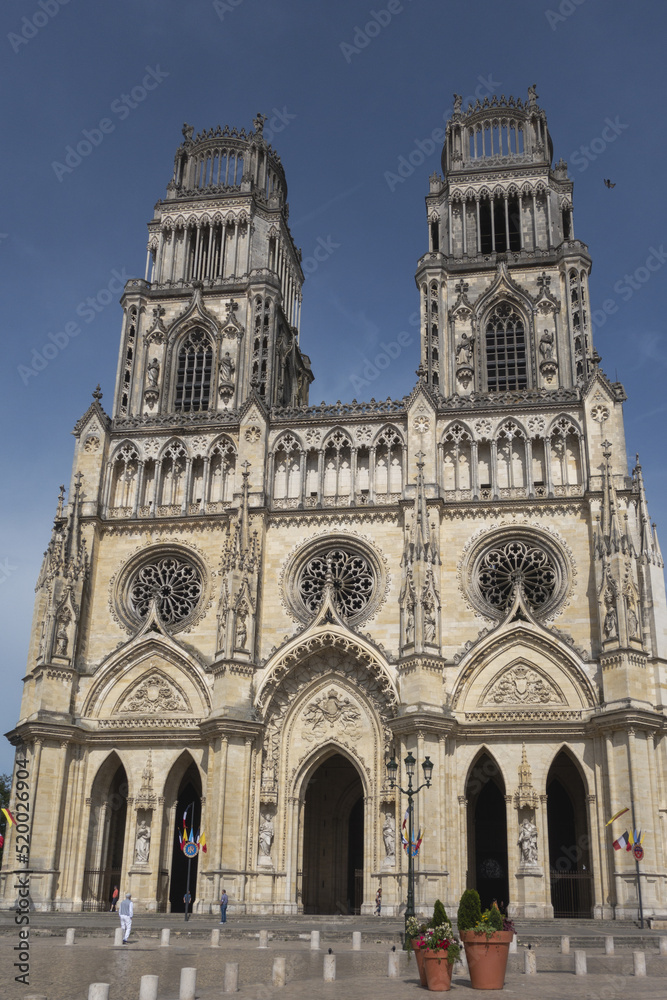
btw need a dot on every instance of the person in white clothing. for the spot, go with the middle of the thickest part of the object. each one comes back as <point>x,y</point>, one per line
<point>126,911</point>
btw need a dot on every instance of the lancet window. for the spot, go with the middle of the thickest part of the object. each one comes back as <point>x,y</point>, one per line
<point>222,471</point>
<point>565,448</point>
<point>457,459</point>
<point>173,475</point>
<point>194,372</point>
<point>506,360</point>
<point>130,350</point>
<point>388,463</point>
<point>287,469</point>
<point>124,481</point>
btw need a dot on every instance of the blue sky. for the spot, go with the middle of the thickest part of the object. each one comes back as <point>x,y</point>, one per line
<point>345,102</point>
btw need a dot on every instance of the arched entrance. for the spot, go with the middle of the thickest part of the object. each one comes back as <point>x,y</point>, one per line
<point>106,835</point>
<point>487,832</point>
<point>569,842</point>
<point>188,803</point>
<point>333,838</point>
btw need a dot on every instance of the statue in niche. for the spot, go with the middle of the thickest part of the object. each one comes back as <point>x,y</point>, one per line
<point>153,373</point>
<point>241,627</point>
<point>610,623</point>
<point>389,835</point>
<point>528,843</point>
<point>464,352</point>
<point>547,345</point>
<point>265,834</point>
<point>633,623</point>
<point>227,368</point>
<point>62,639</point>
<point>410,625</point>
<point>430,623</point>
<point>142,844</point>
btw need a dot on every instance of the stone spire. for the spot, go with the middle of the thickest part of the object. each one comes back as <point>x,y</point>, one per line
<point>649,547</point>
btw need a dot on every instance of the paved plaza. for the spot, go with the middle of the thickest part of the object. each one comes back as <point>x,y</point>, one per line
<point>61,972</point>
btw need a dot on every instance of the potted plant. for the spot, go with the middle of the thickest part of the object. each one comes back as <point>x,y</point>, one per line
<point>440,951</point>
<point>414,932</point>
<point>485,942</point>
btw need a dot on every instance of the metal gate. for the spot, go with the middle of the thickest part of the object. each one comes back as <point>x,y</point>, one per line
<point>98,885</point>
<point>572,894</point>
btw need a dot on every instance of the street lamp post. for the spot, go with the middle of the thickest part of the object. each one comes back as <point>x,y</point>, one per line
<point>392,768</point>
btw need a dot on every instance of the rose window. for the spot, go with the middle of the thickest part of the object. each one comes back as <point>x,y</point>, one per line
<point>175,583</point>
<point>352,577</point>
<point>530,560</point>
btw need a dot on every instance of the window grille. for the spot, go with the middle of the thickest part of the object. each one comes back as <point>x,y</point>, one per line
<point>193,377</point>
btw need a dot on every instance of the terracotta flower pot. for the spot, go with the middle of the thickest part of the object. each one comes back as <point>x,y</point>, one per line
<point>487,958</point>
<point>438,969</point>
<point>419,957</point>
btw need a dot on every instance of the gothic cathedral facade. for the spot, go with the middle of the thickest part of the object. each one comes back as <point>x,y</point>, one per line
<point>249,604</point>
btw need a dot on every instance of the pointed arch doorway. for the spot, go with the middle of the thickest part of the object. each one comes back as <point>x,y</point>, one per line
<point>487,832</point>
<point>333,838</point>
<point>569,840</point>
<point>106,835</point>
<point>188,801</point>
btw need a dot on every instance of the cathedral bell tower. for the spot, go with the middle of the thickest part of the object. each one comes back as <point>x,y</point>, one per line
<point>504,285</point>
<point>217,316</point>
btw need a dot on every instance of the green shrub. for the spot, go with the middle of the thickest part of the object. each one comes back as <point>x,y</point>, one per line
<point>495,918</point>
<point>439,915</point>
<point>470,911</point>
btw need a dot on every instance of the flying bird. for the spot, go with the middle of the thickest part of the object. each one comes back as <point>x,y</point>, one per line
<point>607,183</point>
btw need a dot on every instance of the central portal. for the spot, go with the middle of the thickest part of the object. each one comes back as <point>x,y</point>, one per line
<point>333,839</point>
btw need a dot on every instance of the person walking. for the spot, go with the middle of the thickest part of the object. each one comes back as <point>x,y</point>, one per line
<point>187,899</point>
<point>114,899</point>
<point>378,902</point>
<point>126,912</point>
<point>224,900</point>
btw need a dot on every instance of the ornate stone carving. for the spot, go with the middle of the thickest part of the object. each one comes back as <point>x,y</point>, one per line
<point>154,695</point>
<point>174,582</point>
<point>528,843</point>
<point>331,711</point>
<point>522,685</point>
<point>252,434</point>
<point>266,833</point>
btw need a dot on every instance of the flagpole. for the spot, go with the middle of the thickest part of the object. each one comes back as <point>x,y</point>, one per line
<point>634,830</point>
<point>187,884</point>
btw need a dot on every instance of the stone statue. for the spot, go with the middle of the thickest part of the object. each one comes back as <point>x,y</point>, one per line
<point>241,628</point>
<point>458,101</point>
<point>633,624</point>
<point>61,637</point>
<point>265,835</point>
<point>153,373</point>
<point>188,131</point>
<point>547,345</point>
<point>430,624</point>
<point>532,95</point>
<point>143,843</point>
<point>227,368</point>
<point>389,835</point>
<point>528,843</point>
<point>410,626</point>
<point>610,624</point>
<point>464,352</point>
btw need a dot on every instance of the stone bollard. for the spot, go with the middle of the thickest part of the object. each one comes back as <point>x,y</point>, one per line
<point>231,977</point>
<point>609,945</point>
<point>356,940</point>
<point>329,968</point>
<point>263,939</point>
<point>314,940</point>
<point>663,945</point>
<point>98,991</point>
<point>69,935</point>
<point>118,937</point>
<point>148,988</point>
<point>215,937</point>
<point>639,959</point>
<point>279,975</point>
<point>565,946</point>
<point>514,945</point>
<point>393,967</point>
<point>188,984</point>
<point>580,963</point>
<point>529,962</point>
<point>164,937</point>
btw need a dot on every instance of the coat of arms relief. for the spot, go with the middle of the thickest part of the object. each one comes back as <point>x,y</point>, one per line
<point>331,712</point>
